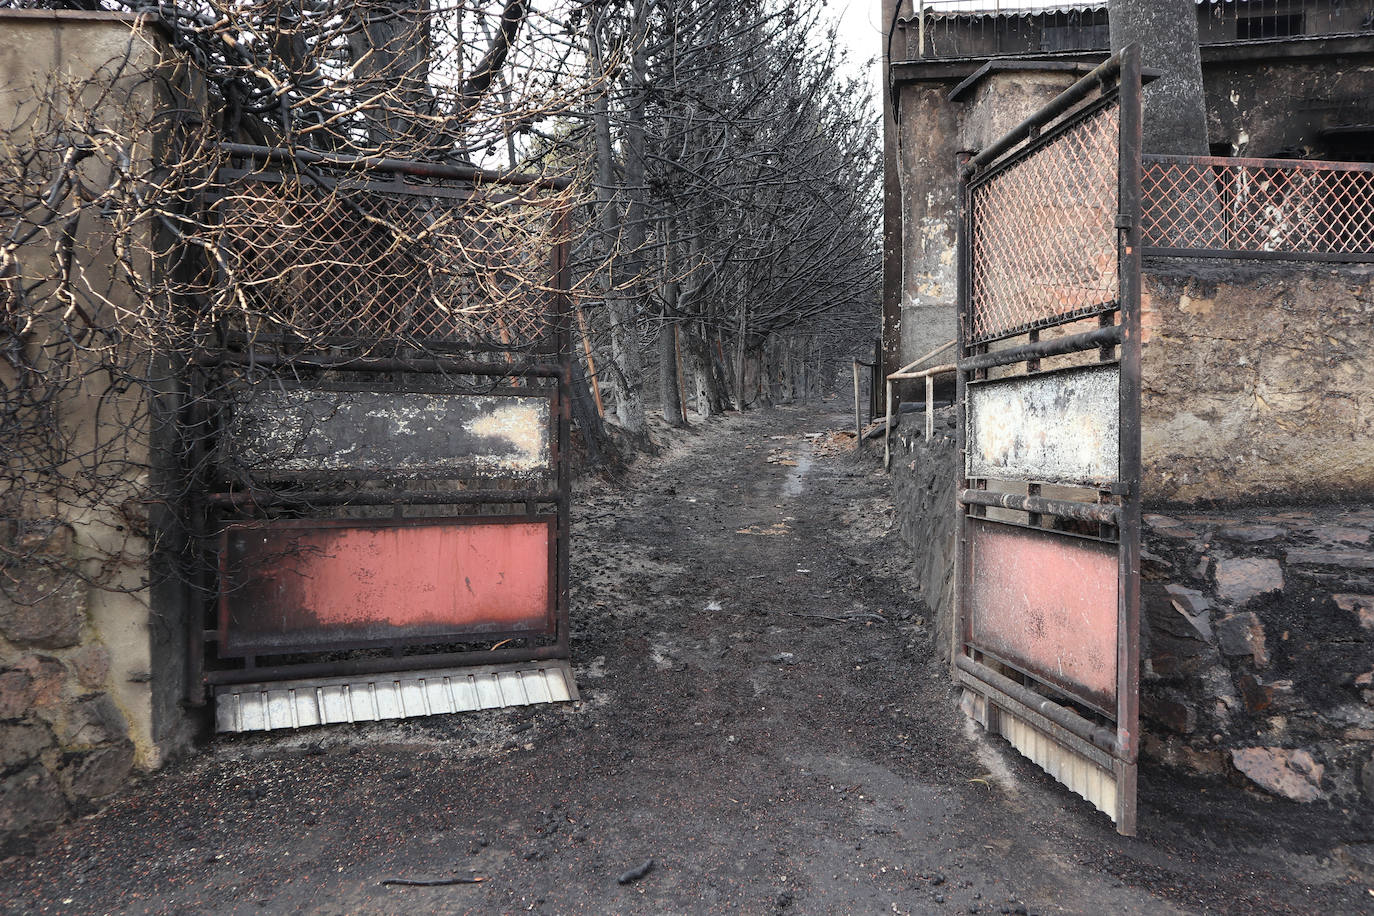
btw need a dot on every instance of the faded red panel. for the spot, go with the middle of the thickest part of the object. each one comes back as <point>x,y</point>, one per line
<point>1046,604</point>
<point>309,585</point>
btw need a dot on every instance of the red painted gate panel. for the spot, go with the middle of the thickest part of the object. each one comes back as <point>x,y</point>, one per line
<point>316,584</point>
<point>1046,605</point>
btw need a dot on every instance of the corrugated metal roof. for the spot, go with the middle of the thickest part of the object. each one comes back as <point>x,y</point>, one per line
<point>400,695</point>
<point>940,9</point>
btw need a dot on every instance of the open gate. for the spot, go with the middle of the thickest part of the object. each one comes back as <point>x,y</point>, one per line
<point>1047,619</point>
<point>379,436</point>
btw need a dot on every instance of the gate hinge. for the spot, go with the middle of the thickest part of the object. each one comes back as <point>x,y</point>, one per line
<point>1125,221</point>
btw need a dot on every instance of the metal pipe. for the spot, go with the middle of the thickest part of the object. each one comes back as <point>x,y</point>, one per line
<point>1055,346</point>
<point>887,433</point>
<point>930,407</point>
<point>249,500</point>
<point>382,665</point>
<point>377,364</point>
<point>1086,512</point>
<point>858,422</point>
<point>1061,716</point>
<point>408,167</point>
<point>924,373</point>
<point>1098,77</point>
<point>920,359</point>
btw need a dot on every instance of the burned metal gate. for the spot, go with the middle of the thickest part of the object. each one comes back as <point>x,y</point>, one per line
<point>1047,620</point>
<point>380,440</point>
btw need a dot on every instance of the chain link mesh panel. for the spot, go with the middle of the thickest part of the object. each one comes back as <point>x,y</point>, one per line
<point>1258,205</point>
<point>314,264</point>
<point>1043,242</point>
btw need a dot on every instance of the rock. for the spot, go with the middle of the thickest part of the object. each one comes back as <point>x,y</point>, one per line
<point>1258,697</point>
<point>29,799</point>
<point>47,677</point>
<point>1337,534</point>
<point>1193,608</point>
<point>92,666</point>
<point>1251,534</point>
<point>94,719</point>
<point>97,773</point>
<point>1243,634</point>
<point>1170,712</point>
<point>1367,778</point>
<point>1317,556</point>
<point>16,693</point>
<point>1187,600</point>
<point>1362,606</point>
<point>1241,579</point>
<point>1291,774</point>
<point>22,742</point>
<point>45,609</point>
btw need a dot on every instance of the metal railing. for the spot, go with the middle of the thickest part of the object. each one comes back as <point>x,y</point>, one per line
<point>942,29</point>
<point>1295,209</point>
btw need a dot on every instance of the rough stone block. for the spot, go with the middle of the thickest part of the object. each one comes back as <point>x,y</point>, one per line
<point>43,610</point>
<point>22,742</point>
<point>1241,579</point>
<point>1318,556</point>
<point>94,719</point>
<point>29,800</point>
<point>47,677</point>
<point>1173,714</point>
<point>1338,534</point>
<point>16,693</point>
<point>92,666</point>
<point>98,772</point>
<point>1243,634</point>
<point>1187,600</point>
<point>1362,606</point>
<point>1291,774</point>
<point>1251,534</point>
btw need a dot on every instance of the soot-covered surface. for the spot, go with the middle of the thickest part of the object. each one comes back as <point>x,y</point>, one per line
<point>761,717</point>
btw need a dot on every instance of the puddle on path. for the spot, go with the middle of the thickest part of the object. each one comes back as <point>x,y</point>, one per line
<point>792,485</point>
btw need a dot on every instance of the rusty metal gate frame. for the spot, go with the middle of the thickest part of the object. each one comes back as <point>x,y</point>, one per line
<point>534,368</point>
<point>1086,738</point>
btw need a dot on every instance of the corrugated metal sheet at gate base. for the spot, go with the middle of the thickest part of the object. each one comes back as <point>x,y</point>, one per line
<point>1077,774</point>
<point>1061,427</point>
<point>402,695</point>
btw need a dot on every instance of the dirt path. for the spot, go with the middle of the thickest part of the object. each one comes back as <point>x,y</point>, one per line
<point>760,716</point>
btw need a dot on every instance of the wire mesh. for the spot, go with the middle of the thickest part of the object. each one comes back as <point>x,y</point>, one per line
<point>317,263</point>
<point>1043,232</point>
<point>1248,206</point>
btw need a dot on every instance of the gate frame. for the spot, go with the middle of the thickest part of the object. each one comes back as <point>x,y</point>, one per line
<point>1115,750</point>
<point>211,512</point>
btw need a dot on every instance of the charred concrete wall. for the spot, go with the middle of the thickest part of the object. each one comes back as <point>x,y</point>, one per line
<point>1256,382</point>
<point>90,674</point>
<point>1293,104</point>
<point>1312,98</point>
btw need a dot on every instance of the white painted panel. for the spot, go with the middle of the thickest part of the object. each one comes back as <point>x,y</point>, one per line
<point>1061,427</point>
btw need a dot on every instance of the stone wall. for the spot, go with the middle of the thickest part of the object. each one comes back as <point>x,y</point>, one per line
<point>1256,382</point>
<point>64,740</point>
<point>1257,644</point>
<point>92,625</point>
<point>924,478</point>
<point>1257,654</point>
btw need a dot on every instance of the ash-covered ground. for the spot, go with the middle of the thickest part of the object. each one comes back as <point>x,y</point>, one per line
<point>762,716</point>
